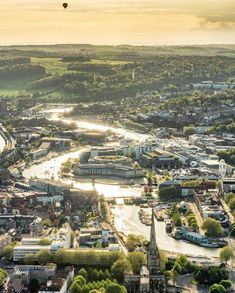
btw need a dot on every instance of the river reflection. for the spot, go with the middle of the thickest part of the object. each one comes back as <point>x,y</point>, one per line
<point>128,134</point>
<point>51,168</point>
<point>2,144</point>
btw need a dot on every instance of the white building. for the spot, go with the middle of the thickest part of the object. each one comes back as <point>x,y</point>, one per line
<point>20,251</point>
<point>108,170</point>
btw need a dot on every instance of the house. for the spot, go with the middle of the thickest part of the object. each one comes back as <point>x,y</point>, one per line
<point>59,283</point>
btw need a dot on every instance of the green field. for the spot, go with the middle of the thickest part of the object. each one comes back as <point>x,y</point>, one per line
<point>52,65</point>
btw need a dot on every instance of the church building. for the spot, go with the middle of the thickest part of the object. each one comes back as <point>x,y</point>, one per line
<point>150,279</point>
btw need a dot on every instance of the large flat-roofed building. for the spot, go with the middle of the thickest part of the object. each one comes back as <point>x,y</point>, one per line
<point>59,239</point>
<point>49,186</point>
<point>160,159</point>
<point>20,251</point>
<point>108,170</point>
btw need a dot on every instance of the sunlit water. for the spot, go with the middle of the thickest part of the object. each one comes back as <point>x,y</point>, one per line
<point>51,168</point>
<point>126,217</point>
<point>2,144</point>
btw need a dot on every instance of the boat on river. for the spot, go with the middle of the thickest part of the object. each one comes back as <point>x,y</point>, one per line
<point>196,238</point>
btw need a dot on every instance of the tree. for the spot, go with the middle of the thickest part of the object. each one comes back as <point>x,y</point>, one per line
<point>212,227</point>
<point>189,131</point>
<point>229,197</point>
<point>43,256</point>
<point>106,274</point>
<point>61,256</point>
<point>231,204</point>
<point>75,288</point>
<point>226,284</point>
<point>3,276</point>
<point>219,185</point>
<point>133,241</point>
<point>83,272</point>
<point>115,288</point>
<point>29,259</point>
<point>44,241</point>
<point>93,275</point>
<point>136,259</point>
<point>46,223</point>
<point>210,275</point>
<point>226,253</point>
<point>8,251</point>
<point>100,275</point>
<point>232,228</point>
<point>216,288</point>
<point>120,268</point>
<point>168,193</point>
<point>80,280</point>
<point>33,286</point>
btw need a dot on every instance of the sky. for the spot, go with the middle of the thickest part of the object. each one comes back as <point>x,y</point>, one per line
<point>148,22</point>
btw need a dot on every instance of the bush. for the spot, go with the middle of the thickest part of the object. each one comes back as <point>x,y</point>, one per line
<point>212,227</point>
<point>83,258</point>
<point>216,288</point>
<point>226,284</point>
<point>210,275</point>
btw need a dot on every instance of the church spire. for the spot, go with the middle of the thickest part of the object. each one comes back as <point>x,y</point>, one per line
<point>153,253</point>
<point>153,243</point>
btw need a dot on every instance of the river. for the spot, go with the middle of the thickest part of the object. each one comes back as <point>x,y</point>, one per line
<point>126,217</point>
<point>127,221</point>
<point>51,168</point>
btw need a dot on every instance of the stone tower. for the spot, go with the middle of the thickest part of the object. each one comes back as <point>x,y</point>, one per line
<point>153,261</point>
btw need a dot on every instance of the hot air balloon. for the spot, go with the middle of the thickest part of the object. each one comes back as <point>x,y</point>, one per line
<point>65,5</point>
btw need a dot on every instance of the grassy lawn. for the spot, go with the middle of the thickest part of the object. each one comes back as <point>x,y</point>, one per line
<point>56,66</point>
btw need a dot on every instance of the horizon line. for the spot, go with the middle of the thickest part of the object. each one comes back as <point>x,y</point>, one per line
<point>116,44</point>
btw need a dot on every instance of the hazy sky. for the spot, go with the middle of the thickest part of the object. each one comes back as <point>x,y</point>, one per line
<point>117,21</point>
